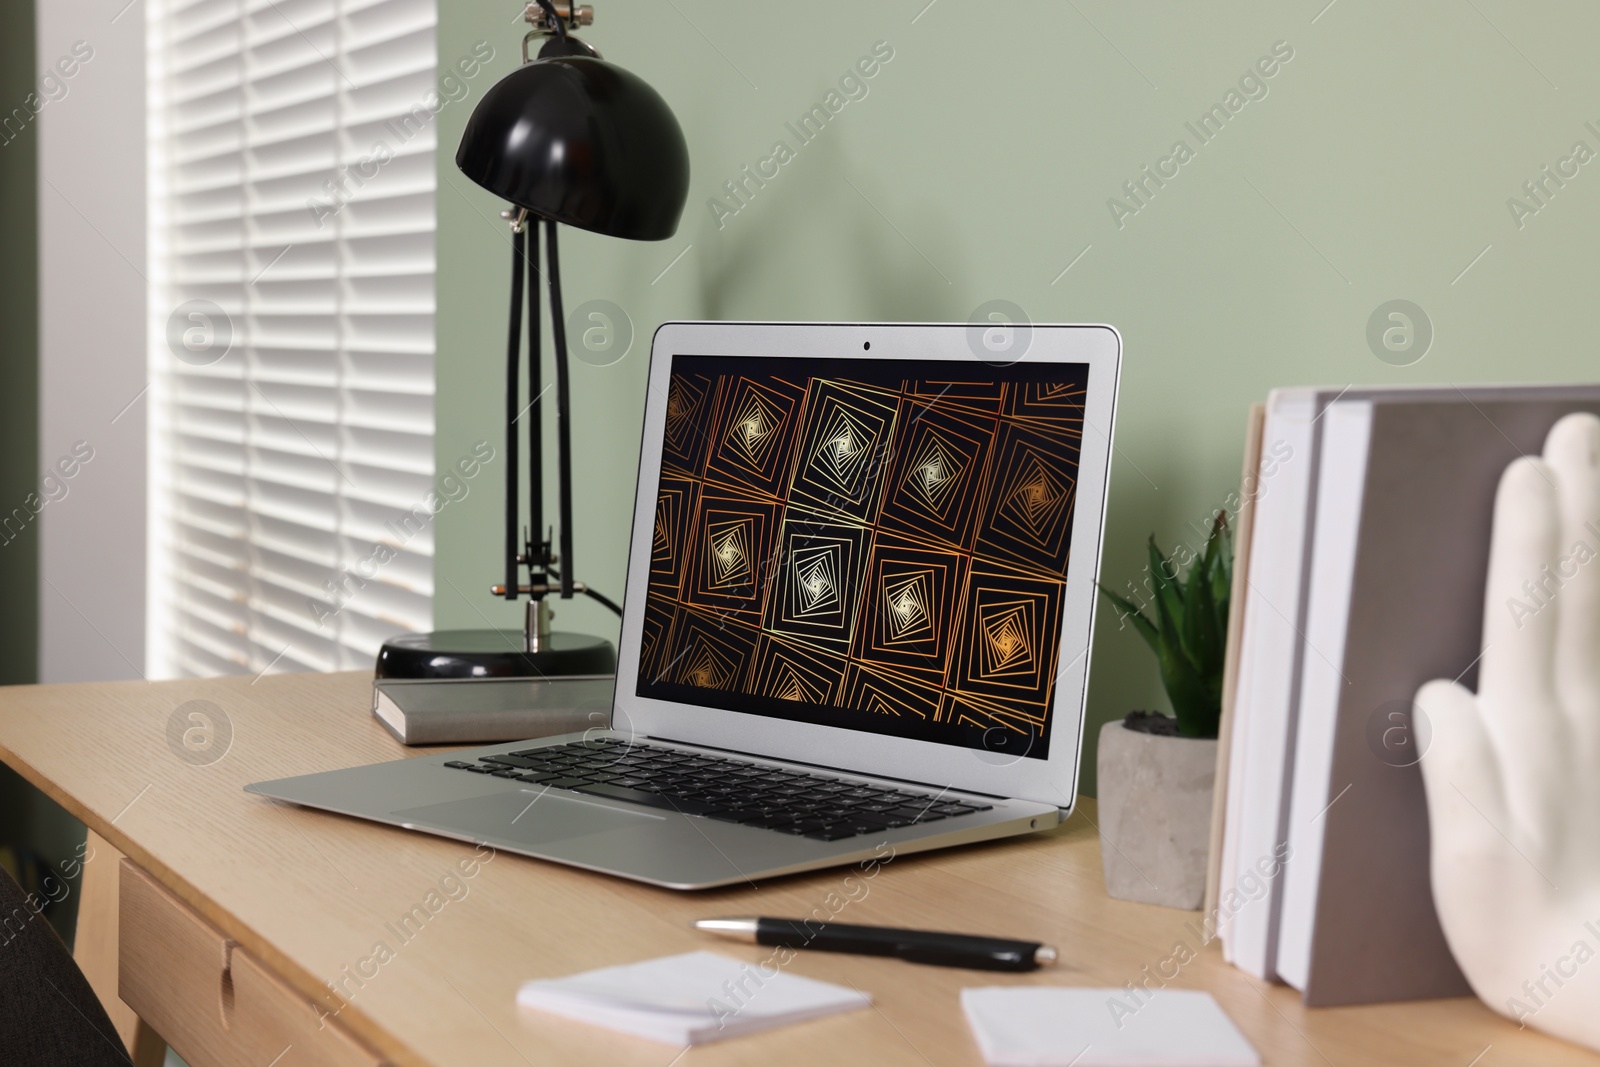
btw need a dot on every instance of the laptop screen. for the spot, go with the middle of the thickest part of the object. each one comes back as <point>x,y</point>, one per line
<point>874,544</point>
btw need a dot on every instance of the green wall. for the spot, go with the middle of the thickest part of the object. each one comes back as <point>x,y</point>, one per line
<point>29,820</point>
<point>19,347</point>
<point>1377,166</point>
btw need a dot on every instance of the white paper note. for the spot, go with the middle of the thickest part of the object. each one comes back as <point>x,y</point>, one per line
<point>1057,1027</point>
<point>689,999</point>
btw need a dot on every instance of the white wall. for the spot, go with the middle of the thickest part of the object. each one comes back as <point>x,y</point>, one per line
<point>92,336</point>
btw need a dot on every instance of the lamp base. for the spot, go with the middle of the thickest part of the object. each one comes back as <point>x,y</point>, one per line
<point>492,654</point>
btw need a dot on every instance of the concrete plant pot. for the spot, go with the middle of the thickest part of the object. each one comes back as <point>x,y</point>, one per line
<point>1155,815</point>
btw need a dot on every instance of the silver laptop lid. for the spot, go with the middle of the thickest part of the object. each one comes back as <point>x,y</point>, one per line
<point>872,547</point>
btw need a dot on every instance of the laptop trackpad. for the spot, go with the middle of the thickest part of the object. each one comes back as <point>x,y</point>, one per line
<point>525,816</point>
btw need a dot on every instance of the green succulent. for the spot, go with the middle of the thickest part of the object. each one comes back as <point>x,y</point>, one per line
<point>1189,631</point>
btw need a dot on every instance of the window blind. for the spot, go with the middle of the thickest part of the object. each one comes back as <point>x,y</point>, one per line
<point>291,155</point>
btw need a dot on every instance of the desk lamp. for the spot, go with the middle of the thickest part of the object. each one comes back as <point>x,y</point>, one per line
<point>566,137</point>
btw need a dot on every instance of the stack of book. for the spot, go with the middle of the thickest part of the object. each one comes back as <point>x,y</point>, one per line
<point>1363,550</point>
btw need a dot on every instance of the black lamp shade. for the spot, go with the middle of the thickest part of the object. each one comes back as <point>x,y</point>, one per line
<point>580,141</point>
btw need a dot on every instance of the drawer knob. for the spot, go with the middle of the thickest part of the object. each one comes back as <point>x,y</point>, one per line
<point>225,985</point>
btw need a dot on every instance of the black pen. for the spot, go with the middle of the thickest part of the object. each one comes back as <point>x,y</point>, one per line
<point>916,946</point>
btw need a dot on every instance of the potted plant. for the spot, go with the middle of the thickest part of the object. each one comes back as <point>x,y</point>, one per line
<point>1157,772</point>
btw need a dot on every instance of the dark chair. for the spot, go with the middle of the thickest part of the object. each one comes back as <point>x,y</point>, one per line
<point>48,1014</point>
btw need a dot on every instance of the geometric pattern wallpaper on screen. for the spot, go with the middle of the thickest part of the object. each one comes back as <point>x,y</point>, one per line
<point>889,555</point>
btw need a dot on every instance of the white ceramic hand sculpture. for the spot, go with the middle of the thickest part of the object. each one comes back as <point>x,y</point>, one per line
<point>1513,772</point>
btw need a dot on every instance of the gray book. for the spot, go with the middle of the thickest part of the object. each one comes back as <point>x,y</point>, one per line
<point>1395,588</point>
<point>488,710</point>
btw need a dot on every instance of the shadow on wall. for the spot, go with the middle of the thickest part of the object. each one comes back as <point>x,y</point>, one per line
<point>897,272</point>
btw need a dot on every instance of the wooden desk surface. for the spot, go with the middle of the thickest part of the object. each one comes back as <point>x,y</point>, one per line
<point>313,894</point>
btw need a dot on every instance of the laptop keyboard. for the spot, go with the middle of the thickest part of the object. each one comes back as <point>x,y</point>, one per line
<point>721,787</point>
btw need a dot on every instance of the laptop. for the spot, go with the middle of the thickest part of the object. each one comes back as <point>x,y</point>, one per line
<point>861,589</point>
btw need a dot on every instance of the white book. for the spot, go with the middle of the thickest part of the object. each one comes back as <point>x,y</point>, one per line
<point>1341,483</point>
<point>1257,852</point>
<point>690,999</point>
<point>1361,927</point>
<point>462,711</point>
<point>1262,720</point>
<point>1404,493</point>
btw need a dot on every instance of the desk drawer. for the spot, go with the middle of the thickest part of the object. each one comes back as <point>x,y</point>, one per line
<point>212,1001</point>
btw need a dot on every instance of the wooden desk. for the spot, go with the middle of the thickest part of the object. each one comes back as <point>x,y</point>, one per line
<point>294,898</point>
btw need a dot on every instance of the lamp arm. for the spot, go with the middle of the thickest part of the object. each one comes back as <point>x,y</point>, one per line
<point>536,548</point>
<point>558,331</point>
<point>513,350</point>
